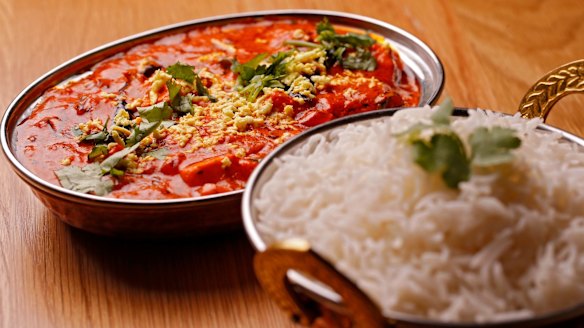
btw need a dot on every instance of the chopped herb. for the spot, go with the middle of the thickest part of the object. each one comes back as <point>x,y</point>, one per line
<point>156,113</point>
<point>167,123</point>
<point>360,59</point>
<point>97,151</point>
<point>444,112</point>
<point>253,77</point>
<point>185,105</point>
<point>300,43</point>
<point>116,173</point>
<point>77,131</point>
<point>87,179</point>
<point>187,73</point>
<point>173,90</point>
<point>159,153</point>
<point>141,131</point>
<point>493,146</point>
<point>336,46</point>
<point>109,163</point>
<point>100,136</point>
<point>202,90</point>
<point>247,70</point>
<point>182,72</point>
<point>445,153</point>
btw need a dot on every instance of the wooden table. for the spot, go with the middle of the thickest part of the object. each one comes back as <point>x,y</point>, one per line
<point>55,276</point>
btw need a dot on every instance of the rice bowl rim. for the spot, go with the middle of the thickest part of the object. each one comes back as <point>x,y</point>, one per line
<point>319,291</point>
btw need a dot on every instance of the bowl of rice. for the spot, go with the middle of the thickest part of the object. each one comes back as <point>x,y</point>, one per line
<point>475,218</point>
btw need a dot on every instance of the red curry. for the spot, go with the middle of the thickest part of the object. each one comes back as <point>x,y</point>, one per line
<point>193,113</point>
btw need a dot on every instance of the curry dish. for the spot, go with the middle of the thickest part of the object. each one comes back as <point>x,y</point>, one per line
<point>193,113</point>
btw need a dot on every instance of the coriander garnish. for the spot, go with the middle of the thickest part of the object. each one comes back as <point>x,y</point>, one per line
<point>444,151</point>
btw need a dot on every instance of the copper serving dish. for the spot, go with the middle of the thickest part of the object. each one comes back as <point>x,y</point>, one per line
<point>185,216</point>
<point>314,293</point>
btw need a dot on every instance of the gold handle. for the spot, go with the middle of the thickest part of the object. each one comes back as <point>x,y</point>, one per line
<point>272,265</point>
<point>546,92</point>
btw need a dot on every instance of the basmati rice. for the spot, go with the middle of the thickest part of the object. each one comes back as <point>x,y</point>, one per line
<point>508,244</point>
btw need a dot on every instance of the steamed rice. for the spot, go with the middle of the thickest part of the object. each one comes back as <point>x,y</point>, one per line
<point>508,244</point>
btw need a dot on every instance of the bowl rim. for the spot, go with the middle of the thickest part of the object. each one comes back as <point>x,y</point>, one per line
<point>327,295</point>
<point>152,34</point>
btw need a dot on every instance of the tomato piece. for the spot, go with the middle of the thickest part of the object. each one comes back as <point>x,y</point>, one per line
<point>209,170</point>
<point>313,118</point>
<point>115,149</point>
<point>171,163</point>
<point>241,169</point>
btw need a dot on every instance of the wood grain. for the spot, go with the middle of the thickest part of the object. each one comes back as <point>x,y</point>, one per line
<point>55,276</point>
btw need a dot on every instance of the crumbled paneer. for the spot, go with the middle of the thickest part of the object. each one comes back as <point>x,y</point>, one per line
<point>159,79</point>
<point>301,88</point>
<point>122,118</point>
<point>92,126</point>
<point>108,95</point>
<point>305,63</point>
<point>225,162</point>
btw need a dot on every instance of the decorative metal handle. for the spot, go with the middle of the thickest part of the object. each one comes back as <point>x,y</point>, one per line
<point>271,267</point>
<point>546,92</point>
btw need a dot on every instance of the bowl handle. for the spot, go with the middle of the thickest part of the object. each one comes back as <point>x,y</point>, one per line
<point>271,267</point>
<point>546,92</point>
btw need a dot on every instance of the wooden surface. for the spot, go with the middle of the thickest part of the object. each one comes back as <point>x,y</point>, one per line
<point>55,276</point>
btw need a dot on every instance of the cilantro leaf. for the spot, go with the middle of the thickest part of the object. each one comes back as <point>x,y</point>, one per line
<point>97,151</point>
<point>159,153</point>
<point>493,146</point>
<point>100,136</point>
<point>187,73</point>
<point>156,113</point>
<point>185,105</point>
<point>202,89</point>
<point>116,173</point>
<point>247,70</point>
<point>97,137</point>
<point>140,132</point>
<point>442,115</point>
<point>87,179</point>
<point>167,123</point>
<point>77,131</point>
<point>253,77</point>
<point>109,163</point>
<point>336,45</point>
<point>324,25</point>
<point>361,59</point>
<point>173,90</point>
<point>300,43</point>
<point>182,72</point>
<point>445,154</point>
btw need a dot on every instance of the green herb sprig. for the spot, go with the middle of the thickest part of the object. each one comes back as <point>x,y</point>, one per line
<point>180,71</point>
<point>338,48</point>
<point>253,76</point>
<point>444,152</point>
<point>92,177</point>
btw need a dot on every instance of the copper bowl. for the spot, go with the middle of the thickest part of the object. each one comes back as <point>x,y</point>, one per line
<point>186,216</point>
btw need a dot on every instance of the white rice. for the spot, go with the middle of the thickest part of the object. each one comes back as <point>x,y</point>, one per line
<point>508,244</point>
